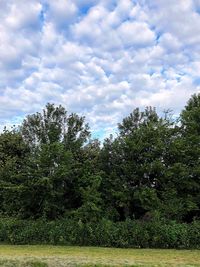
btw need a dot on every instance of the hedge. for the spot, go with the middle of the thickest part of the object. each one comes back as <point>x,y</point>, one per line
<point>132,234</point>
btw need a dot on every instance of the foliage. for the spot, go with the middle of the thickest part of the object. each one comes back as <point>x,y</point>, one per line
<point>50,169</point>
<point>136,234</point>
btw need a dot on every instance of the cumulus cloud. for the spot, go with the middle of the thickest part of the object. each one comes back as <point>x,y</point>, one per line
<point>60,12</point>
<point>136,33</point>
<point>100,58</point>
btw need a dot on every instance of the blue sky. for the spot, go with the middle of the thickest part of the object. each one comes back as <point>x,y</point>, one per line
<point>100,59</point>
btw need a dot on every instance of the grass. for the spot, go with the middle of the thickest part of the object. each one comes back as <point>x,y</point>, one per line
<point>60,256</point>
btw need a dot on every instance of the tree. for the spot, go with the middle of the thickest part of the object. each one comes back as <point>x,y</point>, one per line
<point>89,184</point>
<point>46,185</point>
<point>49,182</point>
<point>190,138</point>
<point>50,168</point>
<point>54,125</point>
<point>135,162</point>
<point>13,154</point>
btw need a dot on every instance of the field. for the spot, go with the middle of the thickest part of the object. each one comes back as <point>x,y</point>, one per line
<point>54,256</point>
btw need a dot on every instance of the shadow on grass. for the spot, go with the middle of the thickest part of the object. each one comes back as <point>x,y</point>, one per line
<point>10,263</point>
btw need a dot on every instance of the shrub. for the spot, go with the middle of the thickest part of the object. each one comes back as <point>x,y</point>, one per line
<point>130,233</point>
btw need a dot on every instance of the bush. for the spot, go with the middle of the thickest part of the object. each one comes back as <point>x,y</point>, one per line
<point>136,234</point>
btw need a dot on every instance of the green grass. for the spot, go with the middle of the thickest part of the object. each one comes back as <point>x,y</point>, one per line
<point>60,256</point>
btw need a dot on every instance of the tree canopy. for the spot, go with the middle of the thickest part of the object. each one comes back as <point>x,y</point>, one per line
<point>51,168</point>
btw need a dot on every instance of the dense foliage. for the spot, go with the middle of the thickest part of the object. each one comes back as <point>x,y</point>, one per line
<point>50,168</point>
<point>130,233</point>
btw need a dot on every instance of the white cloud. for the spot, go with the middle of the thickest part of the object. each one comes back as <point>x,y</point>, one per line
<point>61,12</point>
<point>100,58</point>
<point>21,17</point>
<point>136,33</point>
<point>170,43</point>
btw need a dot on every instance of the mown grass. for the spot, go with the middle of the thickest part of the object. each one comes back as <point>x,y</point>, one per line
<point>60,256</point>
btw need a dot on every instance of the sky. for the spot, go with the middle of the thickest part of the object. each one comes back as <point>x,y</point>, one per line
<point>98,58</point>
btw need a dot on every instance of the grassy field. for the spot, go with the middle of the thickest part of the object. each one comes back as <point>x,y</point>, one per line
<point>54,256</point>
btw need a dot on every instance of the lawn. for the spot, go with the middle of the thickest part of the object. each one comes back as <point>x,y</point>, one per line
<point>54,256</point>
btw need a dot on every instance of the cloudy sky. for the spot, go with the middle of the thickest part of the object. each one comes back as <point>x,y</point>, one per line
<point>99,58</point>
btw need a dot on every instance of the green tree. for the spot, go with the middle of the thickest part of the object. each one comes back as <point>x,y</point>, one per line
<point>46,184</point>
<point>53,124</point>
<point>135,162</point>
<point>13,154</point>
<point>89,184</point>
<point>56,141</point>
<point>190,138</point>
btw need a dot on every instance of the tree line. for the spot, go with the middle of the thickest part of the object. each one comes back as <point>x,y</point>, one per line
<point>51,168</point>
